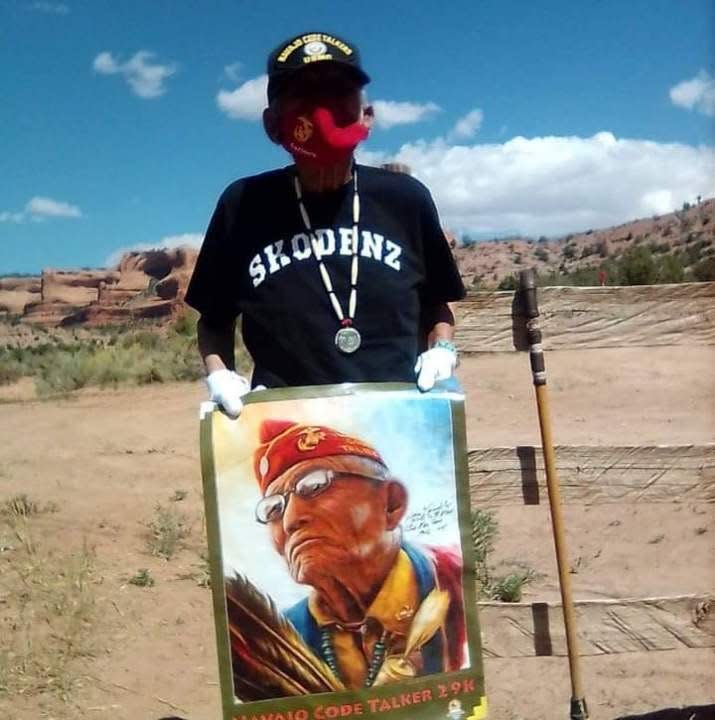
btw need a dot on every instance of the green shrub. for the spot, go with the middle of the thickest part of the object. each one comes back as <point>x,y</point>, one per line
<point>670,269</point>
<point>484,535</point>
<point>509,588</point>
<point>185,324</point>
<point>704,271</point>
<point>637,267</point>
<point>10,370</point>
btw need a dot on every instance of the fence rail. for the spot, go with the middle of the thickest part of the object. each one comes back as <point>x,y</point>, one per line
<point>605,626</point>
<point>591,317</point>
<point>594,474</point>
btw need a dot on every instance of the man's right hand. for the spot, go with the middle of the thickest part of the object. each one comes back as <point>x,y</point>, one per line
<point>226,388</point>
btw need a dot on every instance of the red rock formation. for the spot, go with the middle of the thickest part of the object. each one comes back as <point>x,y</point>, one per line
<point>150,284</point>
<point>147,284</point>
<point>14,301</point>
<point>17,292</point>
<point>24,284</point>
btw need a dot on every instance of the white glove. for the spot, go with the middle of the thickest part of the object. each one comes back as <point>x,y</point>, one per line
<point>436,364</point>
<point>226,388</point>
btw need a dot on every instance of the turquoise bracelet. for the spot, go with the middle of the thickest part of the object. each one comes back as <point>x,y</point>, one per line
<point>446,344</point>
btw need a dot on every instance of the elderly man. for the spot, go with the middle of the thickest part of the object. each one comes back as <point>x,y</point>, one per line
<point>339,272</point>
<point>333,511</point>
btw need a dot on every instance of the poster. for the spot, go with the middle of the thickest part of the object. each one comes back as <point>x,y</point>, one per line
<point>341,563</point>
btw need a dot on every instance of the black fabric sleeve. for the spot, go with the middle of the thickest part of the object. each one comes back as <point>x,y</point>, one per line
<point>211,289</point>
<point>442,281</point>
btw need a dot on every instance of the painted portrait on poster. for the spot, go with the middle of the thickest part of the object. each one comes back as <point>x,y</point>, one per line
<point>341,564</point>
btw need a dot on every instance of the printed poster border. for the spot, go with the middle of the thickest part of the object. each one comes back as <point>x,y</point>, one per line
<point>230,707</point>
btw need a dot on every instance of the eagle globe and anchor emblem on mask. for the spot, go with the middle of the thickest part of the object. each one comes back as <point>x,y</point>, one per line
<point>303,130</point>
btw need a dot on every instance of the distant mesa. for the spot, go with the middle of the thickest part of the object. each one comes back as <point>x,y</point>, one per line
<point>148,284</point>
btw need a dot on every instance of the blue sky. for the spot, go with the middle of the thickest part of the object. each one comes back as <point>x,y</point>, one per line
<point>121,122</point>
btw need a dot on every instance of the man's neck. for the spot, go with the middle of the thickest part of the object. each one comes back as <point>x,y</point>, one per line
<point>319,180</point>
<point>347,598</point>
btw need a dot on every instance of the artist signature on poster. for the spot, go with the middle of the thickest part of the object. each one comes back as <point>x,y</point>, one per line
<point>432,517</point>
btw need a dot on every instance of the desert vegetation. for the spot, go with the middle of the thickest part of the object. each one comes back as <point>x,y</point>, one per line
<point>491,585</point>
<point>674,248</point>
<point>60,362</point>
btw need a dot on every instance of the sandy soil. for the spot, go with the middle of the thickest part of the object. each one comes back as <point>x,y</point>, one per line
<point>107,458</point>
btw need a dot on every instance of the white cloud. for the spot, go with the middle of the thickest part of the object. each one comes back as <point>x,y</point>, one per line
<point>233,71</point>
<point>104,63</point>
<point>552,185</point>
<point>247,101</point>
<point>40,208</point>
<point>698,93</point>
<point>50,7</point>
<point>169,242</point>
<point>466,127</point>
<point>145,78</point>
<point>389,113</point>
<point>47,207</point>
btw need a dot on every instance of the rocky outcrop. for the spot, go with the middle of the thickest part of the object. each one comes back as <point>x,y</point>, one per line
<point>147,284</point>
<point>96,314</point>
<point>14,301</point>
<point>23,284</point>
<point>17,292</point>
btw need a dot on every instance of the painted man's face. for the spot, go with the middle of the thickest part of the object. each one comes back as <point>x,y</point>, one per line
<point>349,521</point>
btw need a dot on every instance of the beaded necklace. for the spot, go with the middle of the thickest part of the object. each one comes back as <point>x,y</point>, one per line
<point>378,656</point>
<point>347,338</point>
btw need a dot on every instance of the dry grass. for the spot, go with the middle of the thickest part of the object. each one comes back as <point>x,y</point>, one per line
<point>167,531</point>
<point>48,604</point>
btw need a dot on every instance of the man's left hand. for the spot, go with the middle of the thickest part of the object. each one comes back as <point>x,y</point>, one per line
<point>436,364</point>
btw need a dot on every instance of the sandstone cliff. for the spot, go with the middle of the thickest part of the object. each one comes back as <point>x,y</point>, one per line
<point>147,284</point>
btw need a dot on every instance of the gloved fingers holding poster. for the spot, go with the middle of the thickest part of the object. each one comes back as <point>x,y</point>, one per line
<point>339,537</point>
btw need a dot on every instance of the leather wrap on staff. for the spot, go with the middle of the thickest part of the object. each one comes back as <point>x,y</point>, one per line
<point>527,286</point>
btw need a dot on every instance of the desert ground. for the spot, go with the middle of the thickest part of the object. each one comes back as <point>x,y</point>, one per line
<point>97,463</point>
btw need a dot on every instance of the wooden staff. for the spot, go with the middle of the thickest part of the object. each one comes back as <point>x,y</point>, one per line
<point>527,285</point>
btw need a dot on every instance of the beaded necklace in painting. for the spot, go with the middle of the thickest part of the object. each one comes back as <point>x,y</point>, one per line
<point>347,338</point>
<point>378,656</point>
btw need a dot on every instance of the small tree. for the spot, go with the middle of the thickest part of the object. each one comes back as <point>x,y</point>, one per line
<point>670,269</point>
<point>507,283</point>
<point>704,271</point>
<point>637,267</point>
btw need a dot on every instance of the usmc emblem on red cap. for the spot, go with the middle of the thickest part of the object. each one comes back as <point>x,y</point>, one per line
<point>309,439</point>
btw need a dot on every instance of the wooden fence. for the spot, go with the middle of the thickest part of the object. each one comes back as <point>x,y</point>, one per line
<point>586,318</point>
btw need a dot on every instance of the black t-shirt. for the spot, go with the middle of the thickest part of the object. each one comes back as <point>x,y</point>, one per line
<point>257,261</point>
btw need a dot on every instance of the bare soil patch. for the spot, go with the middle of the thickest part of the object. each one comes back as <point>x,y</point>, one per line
<point>106,459</point>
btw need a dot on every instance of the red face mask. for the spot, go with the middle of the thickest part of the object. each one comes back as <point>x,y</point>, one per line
<point>313,138</point>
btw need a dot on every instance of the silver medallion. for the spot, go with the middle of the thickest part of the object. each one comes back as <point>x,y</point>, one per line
<point>347,340</point>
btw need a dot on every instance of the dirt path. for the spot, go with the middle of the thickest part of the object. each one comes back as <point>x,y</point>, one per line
<point>107,458</point>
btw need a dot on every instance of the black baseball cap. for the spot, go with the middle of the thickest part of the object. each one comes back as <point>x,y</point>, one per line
<point>303,50</point>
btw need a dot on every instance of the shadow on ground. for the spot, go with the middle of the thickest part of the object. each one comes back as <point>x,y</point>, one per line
<point>699,712</point>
